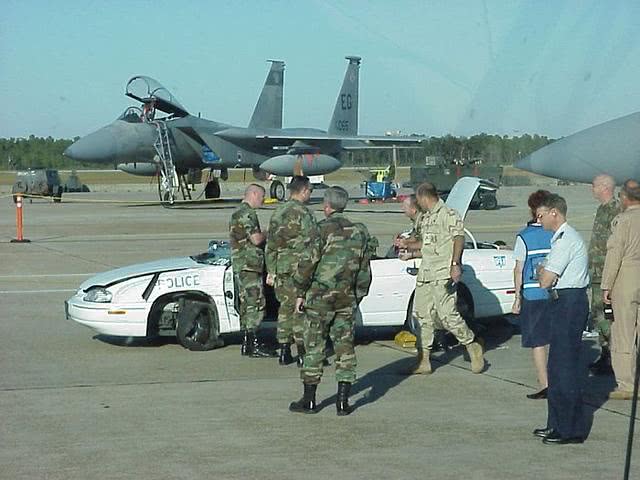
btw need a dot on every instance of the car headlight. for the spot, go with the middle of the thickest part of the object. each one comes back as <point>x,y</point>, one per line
<point>98,295</point>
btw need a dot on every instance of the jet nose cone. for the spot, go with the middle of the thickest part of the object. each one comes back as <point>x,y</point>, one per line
<point>99,146</point>
<point>524,163</point>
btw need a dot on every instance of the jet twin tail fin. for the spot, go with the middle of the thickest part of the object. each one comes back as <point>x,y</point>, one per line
<point>268,111</point>
<point>345,114</point>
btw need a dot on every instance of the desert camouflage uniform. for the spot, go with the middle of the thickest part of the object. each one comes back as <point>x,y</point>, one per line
<point>248,265</point>
<point>341,276</point>
<point>435,308</point>
<point>293,249</point>
<point>597,253</point>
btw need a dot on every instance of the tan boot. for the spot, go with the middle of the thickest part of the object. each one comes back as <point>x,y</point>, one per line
<point>422,366</point>
<point>475,354</point>
<point>620,395</point>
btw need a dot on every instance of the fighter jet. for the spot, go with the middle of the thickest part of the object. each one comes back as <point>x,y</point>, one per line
<point>170,146</point>
<point>612,147</point>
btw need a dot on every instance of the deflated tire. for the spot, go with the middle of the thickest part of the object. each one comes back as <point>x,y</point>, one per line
<point>197,327</point>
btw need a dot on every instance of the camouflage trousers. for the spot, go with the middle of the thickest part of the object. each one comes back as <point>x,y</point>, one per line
<point>435,309</point>
<point>601,324</point>
<point>340,327</point>
<point>252,301</point>
<point>290,323</point>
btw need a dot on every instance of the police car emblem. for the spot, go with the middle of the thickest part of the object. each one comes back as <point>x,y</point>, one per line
<point>500,261</point>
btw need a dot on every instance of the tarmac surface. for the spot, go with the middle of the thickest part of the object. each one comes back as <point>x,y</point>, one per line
<point>75,405</point>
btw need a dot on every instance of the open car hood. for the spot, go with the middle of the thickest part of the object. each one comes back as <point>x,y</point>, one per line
<point>462,193</point>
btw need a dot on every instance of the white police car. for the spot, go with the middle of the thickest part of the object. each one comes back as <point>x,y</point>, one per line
<point>195,298</point>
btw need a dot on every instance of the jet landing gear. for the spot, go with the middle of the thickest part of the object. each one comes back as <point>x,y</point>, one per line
<point>166,192</point>
<point>276,190</point>
<point>212,188</point>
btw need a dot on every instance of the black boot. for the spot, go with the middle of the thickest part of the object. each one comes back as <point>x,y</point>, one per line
<point>245,348</point>
<point>285,354</point>
<point>602,366</point>
<point>307,404</point>
<point>301,352</point>
<point>342,402</point>
<point>258,350</point>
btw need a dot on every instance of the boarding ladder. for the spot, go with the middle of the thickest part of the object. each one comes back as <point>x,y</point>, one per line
<point>169,182</point>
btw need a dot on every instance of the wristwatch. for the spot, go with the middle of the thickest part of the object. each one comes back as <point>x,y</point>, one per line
<point>455,264</point>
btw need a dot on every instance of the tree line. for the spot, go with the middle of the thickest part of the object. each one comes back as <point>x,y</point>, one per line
<point>36,152</point>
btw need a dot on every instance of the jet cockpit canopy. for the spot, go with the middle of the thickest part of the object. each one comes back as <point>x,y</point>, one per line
<point>148,90</point>
<point>131,115</point>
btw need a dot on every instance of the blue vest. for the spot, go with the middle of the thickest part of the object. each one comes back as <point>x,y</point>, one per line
<point>537,241</point>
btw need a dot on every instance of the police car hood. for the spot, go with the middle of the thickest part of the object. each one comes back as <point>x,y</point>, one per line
<point>138,270</point>
<point>462,193</point>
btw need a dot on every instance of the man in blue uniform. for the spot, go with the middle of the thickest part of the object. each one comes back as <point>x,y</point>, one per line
<point>566,273</point>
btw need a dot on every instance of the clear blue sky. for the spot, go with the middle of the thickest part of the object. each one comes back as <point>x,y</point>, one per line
<point>433,67</point>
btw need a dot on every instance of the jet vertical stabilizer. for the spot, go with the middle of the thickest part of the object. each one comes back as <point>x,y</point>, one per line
<point>268,111</point>
<point>345,114</point>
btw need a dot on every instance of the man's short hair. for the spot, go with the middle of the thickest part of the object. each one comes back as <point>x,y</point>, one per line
<point>554,200</point>
<point>631,190</point>
<point>299,183</point>
<point>535,200</point>
<point>427,189</point>
<point>336,198</point>
<point>254,187</point>
<point>412,201</point>
<point>605,180</point>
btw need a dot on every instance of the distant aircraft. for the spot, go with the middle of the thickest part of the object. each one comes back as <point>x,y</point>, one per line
<point>612,147</point>
<point>171,146</point>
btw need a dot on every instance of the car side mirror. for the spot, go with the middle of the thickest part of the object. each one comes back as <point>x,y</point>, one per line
<point>413,271</point>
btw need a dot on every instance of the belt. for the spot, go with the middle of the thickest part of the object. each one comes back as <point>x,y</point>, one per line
<point>563,292</point>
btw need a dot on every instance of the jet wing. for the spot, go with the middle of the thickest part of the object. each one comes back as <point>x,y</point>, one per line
<point>373,140</point>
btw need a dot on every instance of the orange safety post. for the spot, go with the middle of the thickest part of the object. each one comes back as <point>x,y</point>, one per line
<point>20,238</point>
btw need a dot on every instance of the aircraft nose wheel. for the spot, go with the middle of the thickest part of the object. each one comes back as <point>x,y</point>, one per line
<point>166,195</point>
<point>276,190</point>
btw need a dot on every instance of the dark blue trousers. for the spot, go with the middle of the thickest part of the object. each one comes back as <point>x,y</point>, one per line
<point>569,314</point>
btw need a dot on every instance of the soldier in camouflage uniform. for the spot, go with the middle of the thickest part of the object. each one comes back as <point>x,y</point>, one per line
<point>247,259</point>
<point>291,254</point>
<point>341,279</point>
<point>411,209</point>
<point>603,187</point>
<point>442,236</point>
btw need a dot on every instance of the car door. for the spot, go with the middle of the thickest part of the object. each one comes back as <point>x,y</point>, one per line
<point>231,299</point>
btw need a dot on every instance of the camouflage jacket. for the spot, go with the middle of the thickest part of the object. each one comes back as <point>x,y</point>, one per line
<point>599,236</point>
<point>293,246</point>
<point>343,249</point>
<point>363,280</point>
<point>244,254</point>
<point>438,228</point>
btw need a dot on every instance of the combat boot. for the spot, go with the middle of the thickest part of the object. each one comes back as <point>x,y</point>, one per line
<point>285,357</point>
<point>475,354</point>
<point>258,350</point>
<point>307,404</point>
<point>342,401</point>
<point>602,366</point>
<point>422,365</point>
<point>301,352</point>
<point>245,348</point>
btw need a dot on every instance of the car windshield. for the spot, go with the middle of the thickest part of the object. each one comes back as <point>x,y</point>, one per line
<point>218,253</point>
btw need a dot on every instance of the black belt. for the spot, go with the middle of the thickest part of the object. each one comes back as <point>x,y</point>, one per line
<point>568,291</point>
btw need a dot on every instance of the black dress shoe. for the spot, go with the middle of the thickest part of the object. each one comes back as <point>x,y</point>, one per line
<point>554,438</point>
<point>538,395</point>
<point>543,432</point>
